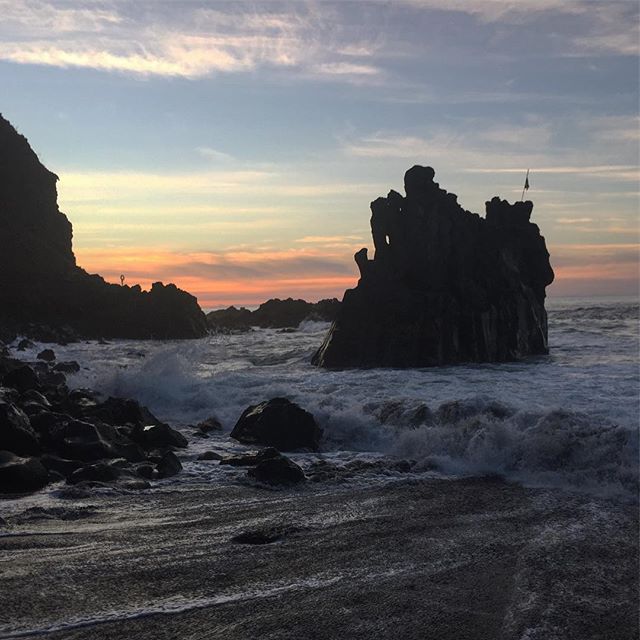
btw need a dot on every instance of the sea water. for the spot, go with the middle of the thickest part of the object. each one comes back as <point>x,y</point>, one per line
<point>566,420</point>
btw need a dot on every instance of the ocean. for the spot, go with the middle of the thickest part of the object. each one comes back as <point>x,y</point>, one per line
<point>567,420</point>
<point>464,502</point>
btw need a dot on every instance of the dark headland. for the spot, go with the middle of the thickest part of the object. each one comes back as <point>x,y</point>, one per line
<point>43,293</point>
<point>444,286</point>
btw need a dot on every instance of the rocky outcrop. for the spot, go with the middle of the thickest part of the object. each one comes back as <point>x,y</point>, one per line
<point>274,313</point>
<point>42,290</point>
<point>444,285</point>
<point>278,423</point>
<point>49,433</point>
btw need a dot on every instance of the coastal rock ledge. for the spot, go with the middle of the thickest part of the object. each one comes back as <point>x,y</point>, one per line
<point>444,286</point>
<point>43,293</point>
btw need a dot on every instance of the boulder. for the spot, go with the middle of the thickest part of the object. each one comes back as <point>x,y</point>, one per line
<point>444,285</point>
<point>274,313</point>
<point>67,367</point>
<point>16,433</point>
<point>97,472</point>
<point>210,424</point>
<point>169,465</point>
<point>251,459</point>
<point>21,475</point>
<point>43,293</point>
<point>22,378</point>
<point>277,471</point>
<point>278,423</point>
<point>159,436</point>
<point>47,355</point>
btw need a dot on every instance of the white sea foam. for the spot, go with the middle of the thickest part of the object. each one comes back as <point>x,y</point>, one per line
<point>567,419</point>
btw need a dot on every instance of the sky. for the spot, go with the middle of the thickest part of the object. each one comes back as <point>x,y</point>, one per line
<point>233,148</point>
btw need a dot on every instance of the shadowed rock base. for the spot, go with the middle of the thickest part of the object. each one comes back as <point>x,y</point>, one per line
<point>444,286</point>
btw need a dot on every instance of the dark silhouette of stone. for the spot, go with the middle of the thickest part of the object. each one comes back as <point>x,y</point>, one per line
<point>67,367</point>
<point>21,475</point>
<point>159,436</point>
<point>210,424</point>
<point>47,355</point>
<point>43,293</point>
<point>97,472</point>
<point>444,286</point>
<point>274,313</point>
<point>251,459</point>
<point>278,423</point>
<point>16,433</point>
<point>22,378</point>
<point>169,465</point>
<point>277,471</point>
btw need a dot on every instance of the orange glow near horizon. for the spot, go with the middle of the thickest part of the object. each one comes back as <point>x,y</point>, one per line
<point>249,278</point>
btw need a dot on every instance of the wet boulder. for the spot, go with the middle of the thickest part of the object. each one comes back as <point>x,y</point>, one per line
<point>22,378</point>
<point>16,433</point>
<point>48,355</point>
<point>210,424</point>
<point>21,475</point>
<point>97,472</point>
<point>169,465</point>
<point>251,459</point>
<point>67,367</point>
<point>159,436</point>
<point>278,423</point>
<point>277,471</point>
<point>59,465</point>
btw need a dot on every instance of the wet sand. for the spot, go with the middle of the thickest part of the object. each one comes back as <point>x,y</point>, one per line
<point>474,558</point>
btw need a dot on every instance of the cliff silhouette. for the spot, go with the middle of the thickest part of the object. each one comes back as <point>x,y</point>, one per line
<point>44,292</point>
<point>444,286</point>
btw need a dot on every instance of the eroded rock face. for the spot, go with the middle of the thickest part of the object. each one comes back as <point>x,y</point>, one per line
<point>43,292</point>
<point>444,285</point>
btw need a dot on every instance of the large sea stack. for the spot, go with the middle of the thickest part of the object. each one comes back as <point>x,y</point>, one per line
<point>43,291</point>
<point>444,286</point>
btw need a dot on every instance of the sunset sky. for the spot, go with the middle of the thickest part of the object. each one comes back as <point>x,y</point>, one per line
<point>233,148</point>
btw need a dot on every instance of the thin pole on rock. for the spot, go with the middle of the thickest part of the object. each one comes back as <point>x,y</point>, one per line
<point>526,186</point>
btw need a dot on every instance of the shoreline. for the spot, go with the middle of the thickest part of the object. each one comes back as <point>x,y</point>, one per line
<point>467,558</point>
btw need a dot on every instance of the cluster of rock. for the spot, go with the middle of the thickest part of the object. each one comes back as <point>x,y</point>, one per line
<point>49,433</point>
<point>279,425</point>
<point>444,286</point>
<point>274,313</point>
<point>43,293</point>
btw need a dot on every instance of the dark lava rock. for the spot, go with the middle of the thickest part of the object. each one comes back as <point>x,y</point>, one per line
<point>25,344</point>
<point>43,293</point>
<point>169,465</point>
<point>60,465</point>
<point>21,475</point>
<point>278,423</point>
<point>47,355</point>
<point>251,459</point>
<point>98,472</point>
<point>120,411</point>
<point>277,471</point>
<point>35,397</point>
<point>67,367</point>
<point>210,455</point>
<point>22,378</point>
<point>16,432</point>
<point>210,424</point>
<point>274,313</point>
<point>263,536</point>
<point>158,436</point>
<point>444,286</point>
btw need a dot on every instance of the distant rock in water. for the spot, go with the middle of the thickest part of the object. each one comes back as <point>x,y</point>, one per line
<point>274,313</point>
<point>444,286</point>
<point>42,290</point>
